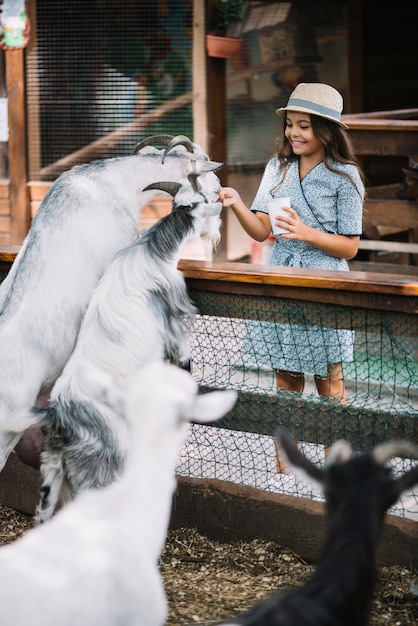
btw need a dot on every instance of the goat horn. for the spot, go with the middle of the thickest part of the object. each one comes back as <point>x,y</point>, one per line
<point>385,451</point>
<point>179,140</point>
<point>340,452</point>
<point>163,140</point>
<point>167,186</point>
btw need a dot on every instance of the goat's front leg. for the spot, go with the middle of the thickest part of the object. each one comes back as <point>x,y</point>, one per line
<point>52,472</point>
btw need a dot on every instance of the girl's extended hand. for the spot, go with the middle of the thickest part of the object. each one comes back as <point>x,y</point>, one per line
<point>229,197</point>
<point>257,225</point>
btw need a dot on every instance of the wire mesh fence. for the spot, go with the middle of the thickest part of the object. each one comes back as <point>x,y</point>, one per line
<point>381,384</point>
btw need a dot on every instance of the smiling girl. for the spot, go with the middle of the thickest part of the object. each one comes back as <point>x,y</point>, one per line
<point>315,166</point>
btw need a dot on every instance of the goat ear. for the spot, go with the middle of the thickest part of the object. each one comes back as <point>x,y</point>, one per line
<point>295,457</point>
<point>210,407</point>
<point>200,167</point>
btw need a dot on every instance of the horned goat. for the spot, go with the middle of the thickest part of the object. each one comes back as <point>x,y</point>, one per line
<point>358,491</point>
<point>140,310</point>
<point>90,213</point>
<point>96,562</point>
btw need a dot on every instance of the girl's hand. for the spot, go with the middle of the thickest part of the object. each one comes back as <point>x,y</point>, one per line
<point>340,246</point>
<point>229,197</point>
<point>257,225</point>
<point>291,222</point>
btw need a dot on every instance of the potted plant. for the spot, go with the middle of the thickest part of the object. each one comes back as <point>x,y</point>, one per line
<point>223,40</point>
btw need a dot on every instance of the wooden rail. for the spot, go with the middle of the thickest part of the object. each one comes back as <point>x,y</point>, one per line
<point>366,289</point>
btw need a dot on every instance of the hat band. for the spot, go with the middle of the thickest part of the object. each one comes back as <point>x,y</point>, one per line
<point>318,108</point>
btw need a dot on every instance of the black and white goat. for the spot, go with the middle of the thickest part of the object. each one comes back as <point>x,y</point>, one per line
<point>96,562</point>
<point>358,491</point>
<point>90,213</point>
<point>139,311</point>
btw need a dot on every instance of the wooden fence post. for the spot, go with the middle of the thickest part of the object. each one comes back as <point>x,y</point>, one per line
<point>19,206</point>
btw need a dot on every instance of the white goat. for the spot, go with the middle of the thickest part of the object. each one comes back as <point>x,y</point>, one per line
<point>89,214</point>
<point>358,490</point>
<point>95,563</point>
<point>139,311</point>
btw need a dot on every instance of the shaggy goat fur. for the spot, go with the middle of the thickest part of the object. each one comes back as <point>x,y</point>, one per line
<point>139,311</point>
<point>96,562</point>
<point>90,213</point>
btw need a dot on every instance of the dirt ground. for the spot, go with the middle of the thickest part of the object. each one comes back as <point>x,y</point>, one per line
<point>207,581</point>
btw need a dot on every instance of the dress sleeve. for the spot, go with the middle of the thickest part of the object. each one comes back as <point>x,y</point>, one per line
<point>350,205</point>
<point>269,179</point>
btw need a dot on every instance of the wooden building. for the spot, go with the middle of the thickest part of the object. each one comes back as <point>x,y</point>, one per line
<point>94,77</point>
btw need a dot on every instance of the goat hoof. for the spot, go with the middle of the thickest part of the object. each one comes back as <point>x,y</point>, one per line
<point>186,365</point>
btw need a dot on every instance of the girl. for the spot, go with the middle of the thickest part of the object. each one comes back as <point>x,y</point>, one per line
<point>315,166</point>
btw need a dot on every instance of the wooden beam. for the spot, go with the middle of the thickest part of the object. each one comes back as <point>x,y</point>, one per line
<point>94,149</point>
<point>19,210</point>
<point>221,278</point>
<point>320,421</point>
<point>33,78</point>
<point>389,246</point>
<point>375,134</point>
<point>217,125</point>
<point>224,511</point>
<point>200,122</point>
<point>355,56</point>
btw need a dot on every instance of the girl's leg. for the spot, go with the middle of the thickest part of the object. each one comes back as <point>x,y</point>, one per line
<point>287,381</point>
<point>290,381</point>
<point>332,386</point>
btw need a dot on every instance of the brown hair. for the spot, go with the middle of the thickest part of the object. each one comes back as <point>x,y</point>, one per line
<point>337,147</point>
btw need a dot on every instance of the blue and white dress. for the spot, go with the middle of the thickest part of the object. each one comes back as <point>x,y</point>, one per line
<point>329,202</point>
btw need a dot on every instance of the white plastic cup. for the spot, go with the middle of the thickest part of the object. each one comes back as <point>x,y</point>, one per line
<point>275,209</point>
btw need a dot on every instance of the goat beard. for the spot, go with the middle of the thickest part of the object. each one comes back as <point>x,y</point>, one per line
<point>210,245</point>
<point>211,236</point>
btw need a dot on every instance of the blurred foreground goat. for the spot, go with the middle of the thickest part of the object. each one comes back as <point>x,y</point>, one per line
<point>96,562</point>
<point>358,491</point>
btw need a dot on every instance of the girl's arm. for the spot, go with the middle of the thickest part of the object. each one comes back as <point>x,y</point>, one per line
<point>257,225</point>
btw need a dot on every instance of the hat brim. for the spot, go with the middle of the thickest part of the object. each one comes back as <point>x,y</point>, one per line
<point>282,113</point>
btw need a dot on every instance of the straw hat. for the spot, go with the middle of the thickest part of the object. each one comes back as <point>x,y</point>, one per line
<point>316,99</point>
